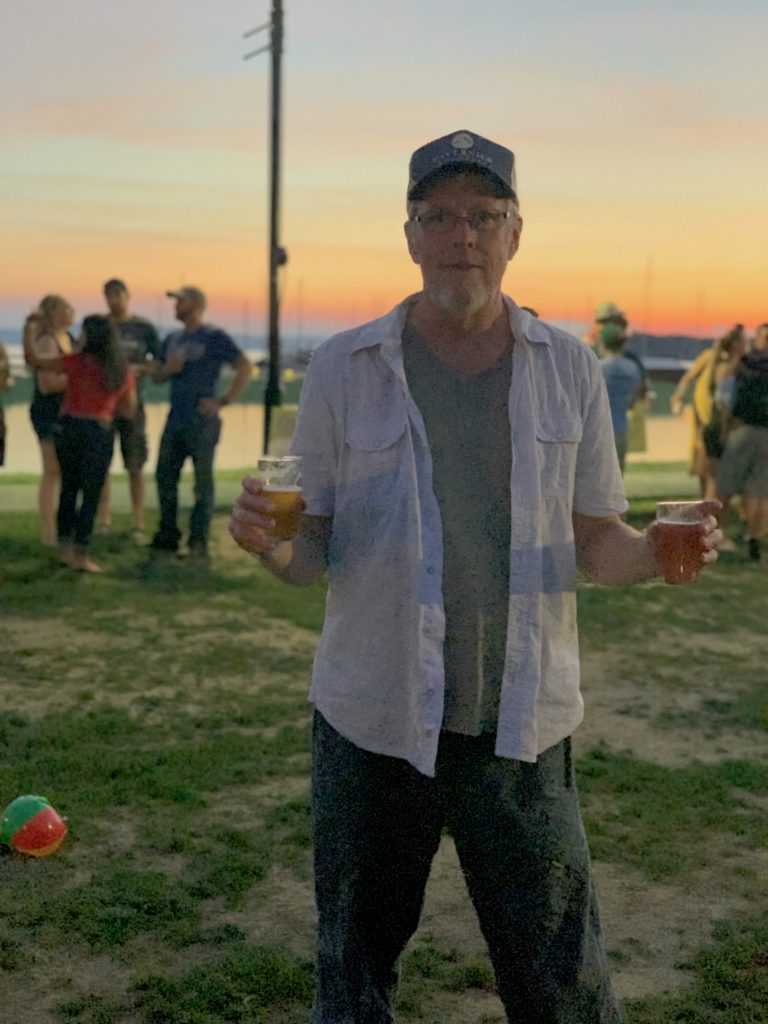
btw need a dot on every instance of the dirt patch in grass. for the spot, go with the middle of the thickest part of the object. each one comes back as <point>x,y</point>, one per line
<point>82,667</point>
<point>654,930</point>
<point>656,709</point>
<point>53,980</point>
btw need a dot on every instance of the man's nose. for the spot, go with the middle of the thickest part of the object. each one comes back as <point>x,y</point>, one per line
<point>462,231</point>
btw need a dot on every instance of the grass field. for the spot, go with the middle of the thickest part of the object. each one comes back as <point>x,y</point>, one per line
<point>162,709</point>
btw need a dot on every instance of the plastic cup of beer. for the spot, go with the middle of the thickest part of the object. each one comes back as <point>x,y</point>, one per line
<point>678,539</point>
<point>281,476</point>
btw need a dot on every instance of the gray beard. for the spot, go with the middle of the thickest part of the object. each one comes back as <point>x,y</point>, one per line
<point>460,303</point>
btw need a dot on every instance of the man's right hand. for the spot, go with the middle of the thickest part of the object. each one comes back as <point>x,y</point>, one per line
<point>174,362</point>
<point>251,522</point>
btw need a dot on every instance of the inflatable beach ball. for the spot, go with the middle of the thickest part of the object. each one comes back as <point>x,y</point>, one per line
<point>30,825</point>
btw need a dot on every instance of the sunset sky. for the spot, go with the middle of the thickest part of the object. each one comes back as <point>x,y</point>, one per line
<point>135,144</point>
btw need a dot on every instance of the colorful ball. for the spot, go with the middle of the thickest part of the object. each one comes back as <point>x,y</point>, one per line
<point>30,825</point>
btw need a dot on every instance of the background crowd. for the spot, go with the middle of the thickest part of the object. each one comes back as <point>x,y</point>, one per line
<point>88,391</point>
<point>729,432</point>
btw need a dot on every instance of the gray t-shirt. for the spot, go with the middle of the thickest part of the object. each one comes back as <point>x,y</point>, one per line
<point>467,426</point>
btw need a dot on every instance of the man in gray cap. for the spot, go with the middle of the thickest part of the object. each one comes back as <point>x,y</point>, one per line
<point>192,360</point>
<point>458,464</point>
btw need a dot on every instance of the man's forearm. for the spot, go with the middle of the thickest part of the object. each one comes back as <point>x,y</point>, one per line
<point>299,562</point>
<point>159,373</point>
<point>29,338</point>
<point>239,382</point>
<point>613,553</point>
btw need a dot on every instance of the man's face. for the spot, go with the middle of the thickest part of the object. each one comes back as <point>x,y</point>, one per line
<point>185,307</point>
<point>462,268</point>
<point>117,302</point>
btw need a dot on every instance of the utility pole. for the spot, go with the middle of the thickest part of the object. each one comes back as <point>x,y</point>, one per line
<point>278,257</point>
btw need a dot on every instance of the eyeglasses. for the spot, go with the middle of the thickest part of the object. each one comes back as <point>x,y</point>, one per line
<point>438,222</point>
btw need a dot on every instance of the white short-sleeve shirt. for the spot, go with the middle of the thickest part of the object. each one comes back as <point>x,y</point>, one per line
<point>378,675</point>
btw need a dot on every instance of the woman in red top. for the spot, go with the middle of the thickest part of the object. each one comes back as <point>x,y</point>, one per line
<point>99,384</point>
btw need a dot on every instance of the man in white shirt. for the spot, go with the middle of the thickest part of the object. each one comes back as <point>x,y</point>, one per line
<point>459,465</point>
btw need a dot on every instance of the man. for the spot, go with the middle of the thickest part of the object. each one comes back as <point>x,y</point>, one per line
<point>611,322</point>
<point>192,359</point>
<point>6,383</point>
<point>624,384</point>
<point>743,466</point>
<point>141,345</point>
<point>457,463</point>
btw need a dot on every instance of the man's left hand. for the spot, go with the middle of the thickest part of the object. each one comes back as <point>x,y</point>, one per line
<point>209,407</point>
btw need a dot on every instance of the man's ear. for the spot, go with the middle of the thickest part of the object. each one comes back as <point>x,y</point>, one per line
<point>514,241</point>
<point>412,238</point>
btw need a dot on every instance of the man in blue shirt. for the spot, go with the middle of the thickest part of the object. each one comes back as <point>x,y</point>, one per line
<point>624,382</point>
<point>192,359</point>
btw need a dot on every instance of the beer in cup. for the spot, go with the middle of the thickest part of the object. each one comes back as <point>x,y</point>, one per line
<point>678,539</point>
<point>281,475</point>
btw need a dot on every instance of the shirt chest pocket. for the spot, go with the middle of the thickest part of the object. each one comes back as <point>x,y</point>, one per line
<point>557,442</point>
<point>376,464</point>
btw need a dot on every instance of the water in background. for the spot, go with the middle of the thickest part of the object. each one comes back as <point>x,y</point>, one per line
<point>240,445</point>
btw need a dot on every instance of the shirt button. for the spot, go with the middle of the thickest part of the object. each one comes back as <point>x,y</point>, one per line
<point>430,570</point>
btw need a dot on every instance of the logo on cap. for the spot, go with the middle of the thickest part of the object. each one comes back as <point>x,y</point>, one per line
<point>462,141</point>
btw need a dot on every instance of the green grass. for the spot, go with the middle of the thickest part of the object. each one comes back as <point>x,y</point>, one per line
<point>659,480</point>
<point>252,984</point>
<point>730,982</point>
<point>660,820</point>
<point>162,709</point>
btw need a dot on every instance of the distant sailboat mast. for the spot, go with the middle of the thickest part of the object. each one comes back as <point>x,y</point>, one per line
<point>647,292</point>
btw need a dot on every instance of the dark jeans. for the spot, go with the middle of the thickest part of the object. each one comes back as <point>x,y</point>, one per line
<point>179,442</point>
<point>84,451</point>
<point>521,843</point>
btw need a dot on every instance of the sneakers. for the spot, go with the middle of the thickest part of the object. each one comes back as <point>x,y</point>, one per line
<point>161,546</point>
<point>138,537</point>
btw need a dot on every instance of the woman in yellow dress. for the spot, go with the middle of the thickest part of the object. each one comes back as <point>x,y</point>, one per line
<point>705,373</point>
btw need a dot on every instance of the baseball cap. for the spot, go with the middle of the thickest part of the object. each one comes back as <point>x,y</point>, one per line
<point>189,292</point>
<point>607,310</point>
<point>461,151</point>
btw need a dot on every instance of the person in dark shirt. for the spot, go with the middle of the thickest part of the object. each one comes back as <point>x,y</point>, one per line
<point>140,344</point>
<point>6,381</point>
<point>744,464</point>
<point>191,360</point>
<point>623,382</point>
